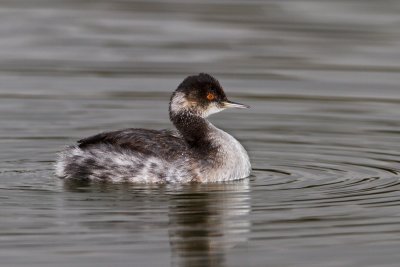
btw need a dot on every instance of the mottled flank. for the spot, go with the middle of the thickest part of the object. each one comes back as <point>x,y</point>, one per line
<point>106,163</point>
<point>197,152</point>
<point>131,155</point>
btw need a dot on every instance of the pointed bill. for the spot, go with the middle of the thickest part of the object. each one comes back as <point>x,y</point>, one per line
<point>230,104</point>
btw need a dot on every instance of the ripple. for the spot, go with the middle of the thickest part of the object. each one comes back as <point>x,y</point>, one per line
<point>340,177</point>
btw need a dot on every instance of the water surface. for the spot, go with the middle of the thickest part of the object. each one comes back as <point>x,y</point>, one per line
<point>323,134</point>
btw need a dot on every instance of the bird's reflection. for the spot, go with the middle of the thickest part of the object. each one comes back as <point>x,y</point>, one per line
<point>206,221</point>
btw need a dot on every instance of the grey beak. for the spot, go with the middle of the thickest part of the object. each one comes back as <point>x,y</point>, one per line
<point>230,104</point>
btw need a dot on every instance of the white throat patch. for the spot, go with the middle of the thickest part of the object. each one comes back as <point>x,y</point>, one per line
<point>212,109</point>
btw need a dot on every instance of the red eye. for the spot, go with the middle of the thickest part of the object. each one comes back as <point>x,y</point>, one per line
<point>210,96</point>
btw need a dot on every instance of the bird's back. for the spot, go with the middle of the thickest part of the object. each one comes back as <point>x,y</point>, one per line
<point>163,143</point>
<point>131,155</point>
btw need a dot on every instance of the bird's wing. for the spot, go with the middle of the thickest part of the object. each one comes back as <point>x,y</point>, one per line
<point>150,142</point>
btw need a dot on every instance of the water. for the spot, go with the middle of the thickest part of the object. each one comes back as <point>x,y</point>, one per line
<point>323,133</point>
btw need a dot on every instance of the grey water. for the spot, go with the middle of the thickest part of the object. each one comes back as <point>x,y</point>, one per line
<point>323,133</point>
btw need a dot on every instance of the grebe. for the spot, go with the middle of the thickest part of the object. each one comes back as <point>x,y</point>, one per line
<point>197,152</point>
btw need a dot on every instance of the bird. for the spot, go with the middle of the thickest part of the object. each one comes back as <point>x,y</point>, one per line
<point>196,151</point>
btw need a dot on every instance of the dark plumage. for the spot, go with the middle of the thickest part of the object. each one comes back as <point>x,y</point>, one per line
<point>197,87</point>
<point>147,142</point>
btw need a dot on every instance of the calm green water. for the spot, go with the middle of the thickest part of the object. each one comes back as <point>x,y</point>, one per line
<point>323,80</point>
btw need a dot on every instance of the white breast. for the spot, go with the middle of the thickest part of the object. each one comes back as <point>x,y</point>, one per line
<point>234,158</point>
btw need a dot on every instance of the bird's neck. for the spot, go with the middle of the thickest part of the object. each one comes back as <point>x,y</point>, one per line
<point>193,128</point>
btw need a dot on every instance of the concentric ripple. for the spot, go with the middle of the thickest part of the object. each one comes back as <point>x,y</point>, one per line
<point>323,178</point>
